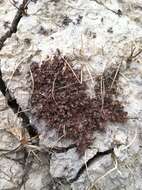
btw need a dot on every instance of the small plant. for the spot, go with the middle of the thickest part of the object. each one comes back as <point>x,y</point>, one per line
<point>61,100</point>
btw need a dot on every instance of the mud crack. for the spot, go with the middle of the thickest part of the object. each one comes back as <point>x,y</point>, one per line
<point>61,149</point>
<point>12,103</point>
<point>89,162</point>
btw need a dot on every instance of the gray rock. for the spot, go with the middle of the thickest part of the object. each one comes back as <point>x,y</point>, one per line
<point>11,174</point>
<point>38,176</point>
<point>66,165</point>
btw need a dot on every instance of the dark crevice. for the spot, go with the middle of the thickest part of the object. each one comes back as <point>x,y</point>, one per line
<point>28,161</point>
<point>13,29</point>
<point>12,103</point>
<point>89,162</point>
<point>62,149</point>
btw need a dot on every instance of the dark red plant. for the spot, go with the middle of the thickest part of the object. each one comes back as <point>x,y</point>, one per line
<point>61,100</point>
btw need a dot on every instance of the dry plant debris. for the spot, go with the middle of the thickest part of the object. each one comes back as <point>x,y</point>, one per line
<point>61,100</point>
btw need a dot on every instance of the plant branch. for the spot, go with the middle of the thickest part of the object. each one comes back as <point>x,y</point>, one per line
<point>13,29</point>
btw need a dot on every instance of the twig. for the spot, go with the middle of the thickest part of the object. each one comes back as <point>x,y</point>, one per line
<point>133,140</point>
<point>138,53</point>
<point>12,75</point>
<point>89,74</point>
<point>102,92</point>
<point>74,83</point>
<point>106,174</point>
<point>13,3</point>
<point>10,151</point>
<point>117,71</point>
<point>119,13</point>
<point>71,69</point>
<point>33,83</point>
<point>81,76</point>
<point>15,22</point>
<point>132,56</point>
<point>87,171</point>
<point>53,86</point>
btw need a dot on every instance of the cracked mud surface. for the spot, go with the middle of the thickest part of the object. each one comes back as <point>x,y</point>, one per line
<point>94,33</point>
